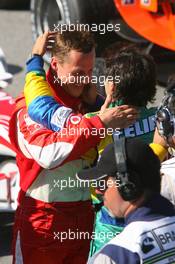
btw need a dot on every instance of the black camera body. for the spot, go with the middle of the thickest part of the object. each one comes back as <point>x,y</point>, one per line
<point>165,116</point>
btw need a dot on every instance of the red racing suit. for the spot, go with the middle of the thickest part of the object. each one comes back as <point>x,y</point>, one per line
<point>45,213</point>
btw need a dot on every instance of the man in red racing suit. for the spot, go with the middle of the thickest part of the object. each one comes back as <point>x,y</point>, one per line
<point>54,218</point>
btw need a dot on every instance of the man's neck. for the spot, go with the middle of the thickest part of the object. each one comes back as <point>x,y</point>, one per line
<point>134,205</point>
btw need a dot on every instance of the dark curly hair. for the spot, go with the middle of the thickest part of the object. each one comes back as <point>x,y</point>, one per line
<point>137,73</point>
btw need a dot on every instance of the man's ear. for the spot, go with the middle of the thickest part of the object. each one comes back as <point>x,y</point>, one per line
<point>54,64</point>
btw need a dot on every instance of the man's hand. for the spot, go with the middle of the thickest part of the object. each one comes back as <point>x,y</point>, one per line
<point>106,104</point>
<point>119,117</point>
<point>166,143</point>
<point>159,139</point>
<point>44,43</point>
<point>110,89</point>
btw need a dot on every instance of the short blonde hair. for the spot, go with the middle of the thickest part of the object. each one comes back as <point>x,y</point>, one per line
<point>67,40</point>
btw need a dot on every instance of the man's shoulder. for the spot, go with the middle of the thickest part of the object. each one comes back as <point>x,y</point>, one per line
<point>131,245</point>
<point>116,254</point>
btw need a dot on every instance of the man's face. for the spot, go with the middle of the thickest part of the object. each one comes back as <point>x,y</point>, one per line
<point>112,199</point>
<point>75,71</point>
